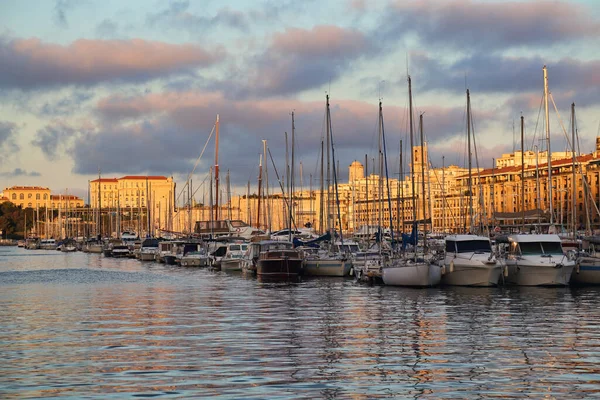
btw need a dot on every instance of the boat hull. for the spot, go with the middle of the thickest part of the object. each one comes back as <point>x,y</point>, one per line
<point>231,265</point>
<point>147,256</point>
<point>416,274</point>
<point>281,268</point>
<point>327,267</point>
<point>524,274</point>
<point>588,272</point>
<point>461,272</point>
<point>194,262</point>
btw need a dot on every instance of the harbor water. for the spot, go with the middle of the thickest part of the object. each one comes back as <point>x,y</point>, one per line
<point>81,325</point>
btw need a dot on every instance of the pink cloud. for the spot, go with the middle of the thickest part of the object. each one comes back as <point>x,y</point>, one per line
<point>481,24</point>
<point>30,63</point>
<point>324,40</point>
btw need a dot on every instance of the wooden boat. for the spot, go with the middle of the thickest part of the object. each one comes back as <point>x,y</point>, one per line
<point>275,259</point>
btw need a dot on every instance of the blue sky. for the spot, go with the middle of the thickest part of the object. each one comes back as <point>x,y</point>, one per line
<point>134,87</point>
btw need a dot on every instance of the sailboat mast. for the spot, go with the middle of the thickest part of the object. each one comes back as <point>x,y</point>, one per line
<point>423,182</point>
<point>217,169</point>
<point>401,194</point>
<point>574,178</point>
<point>367,193</point>
<point>469,161</point>
<point>335,177</point>
<point>412,145</point>
<point>259,190</point>
<point>387,177</point>
<point>523,172</point>
<point>548,147</point>
<point>328,172</point>
<point>380,180</point>
<point>321,199</point>
<point>99,225</point>
<point>267,205</point>
<point>291,209</point>
<point>228,195</point>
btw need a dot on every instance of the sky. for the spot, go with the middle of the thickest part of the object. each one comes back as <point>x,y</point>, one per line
<point>134,88</point>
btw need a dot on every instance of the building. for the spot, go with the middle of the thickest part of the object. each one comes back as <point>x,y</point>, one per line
<point>28,196</point>
<point>145,203</point>
<point>40,197</point>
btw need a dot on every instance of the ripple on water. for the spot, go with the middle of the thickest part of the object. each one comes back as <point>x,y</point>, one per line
<point>113,328</point>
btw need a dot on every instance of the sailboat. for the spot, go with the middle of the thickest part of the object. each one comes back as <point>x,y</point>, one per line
<point>468,258</point>
<point>334,261</point>
<point>413,269</point>
<point>539,259</point>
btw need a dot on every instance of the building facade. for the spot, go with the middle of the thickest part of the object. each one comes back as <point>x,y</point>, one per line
<point>40,197</point>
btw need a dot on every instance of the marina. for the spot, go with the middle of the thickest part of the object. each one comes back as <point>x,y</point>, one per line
<point>128,328</point>
<point>203,199</point>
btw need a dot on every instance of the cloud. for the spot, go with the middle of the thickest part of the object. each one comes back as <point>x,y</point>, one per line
<point>53,137</point>
<point>177,15</point>
<point>488,73</point>
<point>8,134</point>
<point>66,105</point>
<point>31,63</point>
<point>18,172</point>
<point>301,59</point>
<point>60,11</point>
<point>166,131</point>
<point>107,28</point>
<point>493,25</point>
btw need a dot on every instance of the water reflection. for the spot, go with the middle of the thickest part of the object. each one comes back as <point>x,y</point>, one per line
<point>81,325</point>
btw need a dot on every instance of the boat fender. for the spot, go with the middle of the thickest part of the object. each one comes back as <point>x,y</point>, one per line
<point>505,271</point>
<point>577,268</point>
<point>451,269</point>
<point>443,269</point>
<point>351,271</point>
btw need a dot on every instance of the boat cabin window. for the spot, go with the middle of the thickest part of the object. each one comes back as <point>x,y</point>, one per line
<point>552,248</point>
<point>533,248</point>
<point>351,248</point>
<point>150,243</point>
<point>469,246</point>
<point>277,246</point>
<point>450,246</point>
<point>235,247</point>
<point>238,224</point>
<point>220,251</point>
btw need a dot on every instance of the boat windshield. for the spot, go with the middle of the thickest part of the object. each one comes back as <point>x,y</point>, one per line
<point>532,248</point>
<point>278,246</point>
<point>552,248</point>
<point>469,246</point>
<point>235,247</point>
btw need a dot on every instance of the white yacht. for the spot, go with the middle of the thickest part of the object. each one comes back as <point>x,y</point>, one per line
<point>233,258</point>
<point>469,261</point>
<point>537,260</point>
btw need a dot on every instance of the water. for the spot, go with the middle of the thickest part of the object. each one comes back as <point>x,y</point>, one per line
<point>80,325</point>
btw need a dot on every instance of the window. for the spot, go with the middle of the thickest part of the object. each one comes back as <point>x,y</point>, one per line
<point>22,196</point>
<point>37,196</point>
<point>45,196</point>
<point>14,196</point>
<point>29,195</point>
